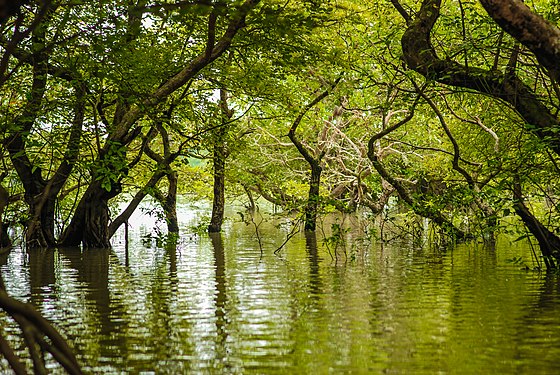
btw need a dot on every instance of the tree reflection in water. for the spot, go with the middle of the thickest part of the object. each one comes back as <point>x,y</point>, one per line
<point>221,296</point>
<point>39,336</point>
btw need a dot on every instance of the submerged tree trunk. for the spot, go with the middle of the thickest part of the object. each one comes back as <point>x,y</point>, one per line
<point>220,155</point>
<point>218,201</point>
<point>170,206</point>
<point>4,238</point>
<point>135,202</point>
<point>549,243</point>
<point>96,230</point>
<point>312,205</point>
<point>168,202</point>
<point>252,206</point>
<point>39,232</point>
<point>313,159</point>
<point>40,194</point>
<point>90,223</point>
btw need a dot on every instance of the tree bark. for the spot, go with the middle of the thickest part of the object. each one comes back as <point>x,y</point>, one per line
<point>219,156</point>
<point>4,197</point>
<point>41,195</point>
<point>36,234</point>
<point>312,205</point>
<point>218,202</point>
<point>549,243</point>
<point>170,203</point>
<point>39,231</point>
<point>10,8</point>
<point>90,223</point>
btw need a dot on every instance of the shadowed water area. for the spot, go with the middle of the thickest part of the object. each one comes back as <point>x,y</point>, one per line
<point>216,304</point>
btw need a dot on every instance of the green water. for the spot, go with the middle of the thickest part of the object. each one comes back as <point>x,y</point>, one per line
<point>218,305</point>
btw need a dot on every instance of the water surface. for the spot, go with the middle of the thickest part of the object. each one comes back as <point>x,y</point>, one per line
<point>220,305</point>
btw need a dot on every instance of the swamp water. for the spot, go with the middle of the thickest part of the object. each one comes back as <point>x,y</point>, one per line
<point>217,305</point>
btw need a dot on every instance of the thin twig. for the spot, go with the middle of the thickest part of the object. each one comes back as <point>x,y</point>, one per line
<point>295,230</point>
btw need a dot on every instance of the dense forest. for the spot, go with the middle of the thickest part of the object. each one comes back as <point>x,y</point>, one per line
<point>447,110</point>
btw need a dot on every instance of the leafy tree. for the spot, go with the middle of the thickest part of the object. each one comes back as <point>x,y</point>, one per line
<point>52,55</point>
<point>526,87</point>
<point>313,158</point>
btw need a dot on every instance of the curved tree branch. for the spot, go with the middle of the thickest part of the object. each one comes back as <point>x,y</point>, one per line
<point>542,37</point>
<point>292,132</point>
<point>418,206</point>
<point>549,242</point>
<point>189,71</point>
<point>420,55</point>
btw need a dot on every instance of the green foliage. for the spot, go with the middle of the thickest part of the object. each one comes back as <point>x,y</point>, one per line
<point>202,226</point>
<point>336,238</point>
<point>110,169</point>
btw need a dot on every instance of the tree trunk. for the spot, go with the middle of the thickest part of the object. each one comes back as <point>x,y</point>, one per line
<point>135,202</point>
<point>313,197</point>
<point>218,202</point>
<point>219,159</point>
<point>549,243</point>
<point>251,207</point>
<point>9,8</point>
<point>170,204</point>
<point>4,197</point>
<point>90,223</point>
<point>40,227</point>
<point>41,195</point>
<point>96,220</point>
<point>313,161</point>
<point>532,30</point>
